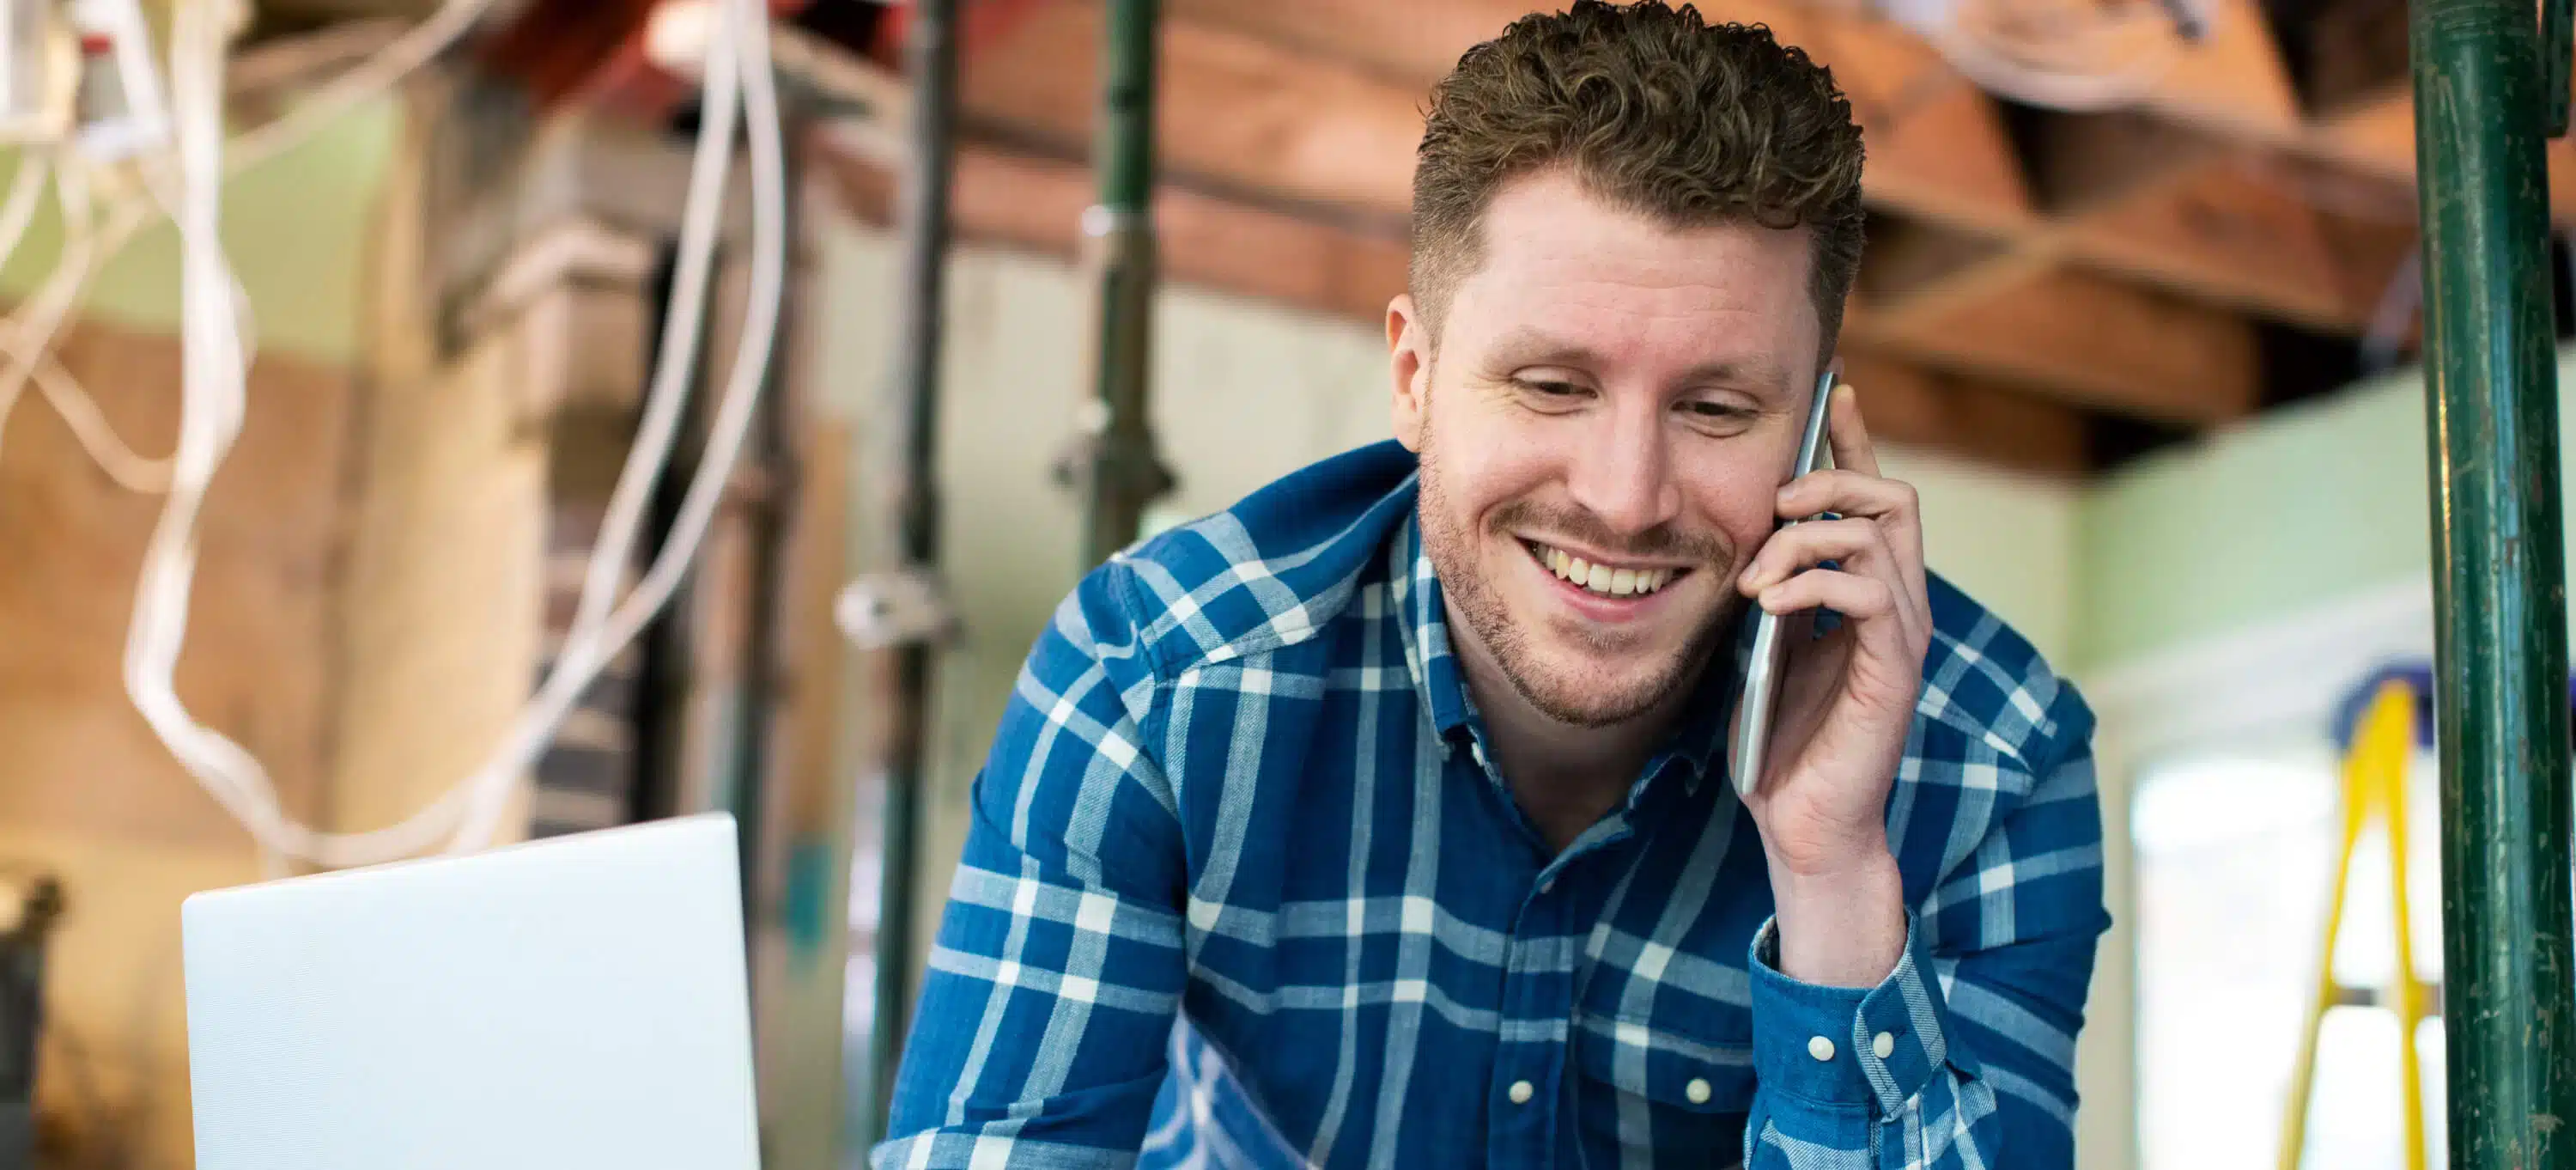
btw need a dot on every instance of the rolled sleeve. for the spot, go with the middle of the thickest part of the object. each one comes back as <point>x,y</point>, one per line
<point>1821,1045</point>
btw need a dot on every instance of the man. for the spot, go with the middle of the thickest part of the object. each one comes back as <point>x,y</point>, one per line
<point>1383,820</point>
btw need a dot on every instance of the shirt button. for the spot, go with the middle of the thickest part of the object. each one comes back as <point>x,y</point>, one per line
<point>1883,1046</point>
<point>1820,1048</point>
<point>1521,1092</point>
<point>1697,1091</point>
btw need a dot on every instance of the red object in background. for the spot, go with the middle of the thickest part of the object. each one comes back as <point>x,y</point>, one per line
<point>591,52</point>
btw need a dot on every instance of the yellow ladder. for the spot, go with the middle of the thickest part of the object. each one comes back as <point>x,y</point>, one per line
<point>2374,786</point>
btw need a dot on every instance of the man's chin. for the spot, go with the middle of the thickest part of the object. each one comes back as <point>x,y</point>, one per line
<point>1593,697</point>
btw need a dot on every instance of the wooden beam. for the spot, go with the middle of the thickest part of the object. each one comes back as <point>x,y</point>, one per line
<point>1937,145</point>
<point>1238,112</point>
<point>2149,201</point>
<point>1035,204</point>
<point>1913,271</point>
<point>2219,232</point>
<point>2233,81</point>
<point>1911,405</point>
<point>2092,340</point>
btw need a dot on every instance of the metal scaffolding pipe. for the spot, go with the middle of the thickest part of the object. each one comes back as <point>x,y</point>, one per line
<point>1124,474</point>
<point>2499,584</point>
<point>924,213</point>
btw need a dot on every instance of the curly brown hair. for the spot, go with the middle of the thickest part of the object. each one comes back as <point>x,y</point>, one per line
<point>1657,112</point>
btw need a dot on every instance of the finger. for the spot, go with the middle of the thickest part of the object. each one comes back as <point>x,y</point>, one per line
<point>1855,544</point>
<point>1857,547</point>
<point>1870,605</point>
<point>1868,608</point>
<point>1892,503</point>
<point>1849,433</point>
<point>1850,493</point>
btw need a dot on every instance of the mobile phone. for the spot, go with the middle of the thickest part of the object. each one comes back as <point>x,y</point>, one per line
<point>1753,711</point>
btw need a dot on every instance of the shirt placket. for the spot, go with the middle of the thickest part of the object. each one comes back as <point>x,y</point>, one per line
<point>1528,1091</point>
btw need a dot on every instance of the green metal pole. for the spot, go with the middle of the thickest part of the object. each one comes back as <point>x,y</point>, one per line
<point>1124,474</point>
<point>2500,592</point>
<point>932,51</point>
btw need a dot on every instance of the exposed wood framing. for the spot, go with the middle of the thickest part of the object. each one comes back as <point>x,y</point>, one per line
<point>2092,340</point>
<point>1937,145</point>
<point>1036,204</point>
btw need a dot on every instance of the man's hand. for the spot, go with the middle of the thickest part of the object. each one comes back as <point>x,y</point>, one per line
<point>1846,704</point>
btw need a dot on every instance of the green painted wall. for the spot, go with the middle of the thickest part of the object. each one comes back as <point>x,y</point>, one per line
<point>295,228</point>
<point>2312,504</point>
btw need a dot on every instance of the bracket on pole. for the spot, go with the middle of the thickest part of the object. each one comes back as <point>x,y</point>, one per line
<point>883,610</point>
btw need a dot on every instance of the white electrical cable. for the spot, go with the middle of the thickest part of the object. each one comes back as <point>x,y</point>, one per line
<point>676,358</point>
<point>748,21</point>
<point>467,815</point>
<point>349,90</point>
<point>26,190</point>
<point>30,332</point>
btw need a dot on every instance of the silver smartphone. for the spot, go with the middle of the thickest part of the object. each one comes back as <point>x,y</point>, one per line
<point>1753,711</point>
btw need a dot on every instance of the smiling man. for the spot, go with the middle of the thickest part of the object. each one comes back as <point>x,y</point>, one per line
<point>1381,820</point>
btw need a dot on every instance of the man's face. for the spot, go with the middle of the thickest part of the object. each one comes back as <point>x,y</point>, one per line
<point>1615,397</point>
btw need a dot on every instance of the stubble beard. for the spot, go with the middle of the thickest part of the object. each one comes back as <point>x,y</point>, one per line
<point>1471,598</point>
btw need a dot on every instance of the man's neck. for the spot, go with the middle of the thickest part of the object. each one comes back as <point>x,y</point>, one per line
<point>1564,777</point>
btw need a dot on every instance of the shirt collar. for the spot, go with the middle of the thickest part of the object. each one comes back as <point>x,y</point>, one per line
<point>1423,619</point>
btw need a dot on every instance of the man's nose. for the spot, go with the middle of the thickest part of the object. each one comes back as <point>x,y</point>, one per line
<point>1623,471</point>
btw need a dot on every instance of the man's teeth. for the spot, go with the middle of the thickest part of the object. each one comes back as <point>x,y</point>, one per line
<point>1603,578</point>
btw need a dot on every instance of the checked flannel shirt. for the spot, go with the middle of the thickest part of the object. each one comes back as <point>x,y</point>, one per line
<point>1243,888</point>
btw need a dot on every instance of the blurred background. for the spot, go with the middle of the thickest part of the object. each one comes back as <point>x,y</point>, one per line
<point>2139,317</point>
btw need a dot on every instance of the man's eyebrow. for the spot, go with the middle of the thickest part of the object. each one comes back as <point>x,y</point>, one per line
<point>1530,345</point>
<point>1749,372</point>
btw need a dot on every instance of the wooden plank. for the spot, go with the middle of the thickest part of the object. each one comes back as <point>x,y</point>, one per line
<point>2004,428</point>
<point>79,759</point>
<point>2233,81</point>
<point>1237,111</point>
<point>1937,145</point>
<point>1035,204</point>
<point>1913,270</point>
<point>2147,201</point>
<point>2221,234</point>
<point>2096,341</point>
<point>444,581</point>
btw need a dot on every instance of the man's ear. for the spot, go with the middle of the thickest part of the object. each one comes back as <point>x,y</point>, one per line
<point>1408,343</point>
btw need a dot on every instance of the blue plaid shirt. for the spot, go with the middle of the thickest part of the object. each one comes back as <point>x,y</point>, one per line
<point>1243,888</point>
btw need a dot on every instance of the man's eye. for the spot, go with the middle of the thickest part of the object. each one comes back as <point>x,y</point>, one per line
<point>1550,389</point>
<point>1715,411</point>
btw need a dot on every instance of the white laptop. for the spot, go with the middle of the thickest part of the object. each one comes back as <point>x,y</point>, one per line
<point>578,1001</point>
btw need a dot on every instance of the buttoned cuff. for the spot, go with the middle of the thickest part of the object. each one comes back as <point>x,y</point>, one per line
<point>1872,1047</point>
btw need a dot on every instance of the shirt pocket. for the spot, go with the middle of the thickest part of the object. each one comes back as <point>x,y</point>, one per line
<point>1672,1083</point>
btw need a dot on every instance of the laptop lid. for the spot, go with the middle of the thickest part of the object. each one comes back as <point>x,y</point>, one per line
<point>574,1001</point>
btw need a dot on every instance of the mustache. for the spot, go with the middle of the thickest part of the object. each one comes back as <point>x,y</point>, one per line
<point>1662,542</point>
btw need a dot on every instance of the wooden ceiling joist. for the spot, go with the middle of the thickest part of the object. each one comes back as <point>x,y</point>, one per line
<point>2233,80</point>
<point>1910,404</point>
<point>1937,145</point>
<point>1036,204</point>
<point>1239,113</point>
<point>2170,206</point>
<point>2093,340</point>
